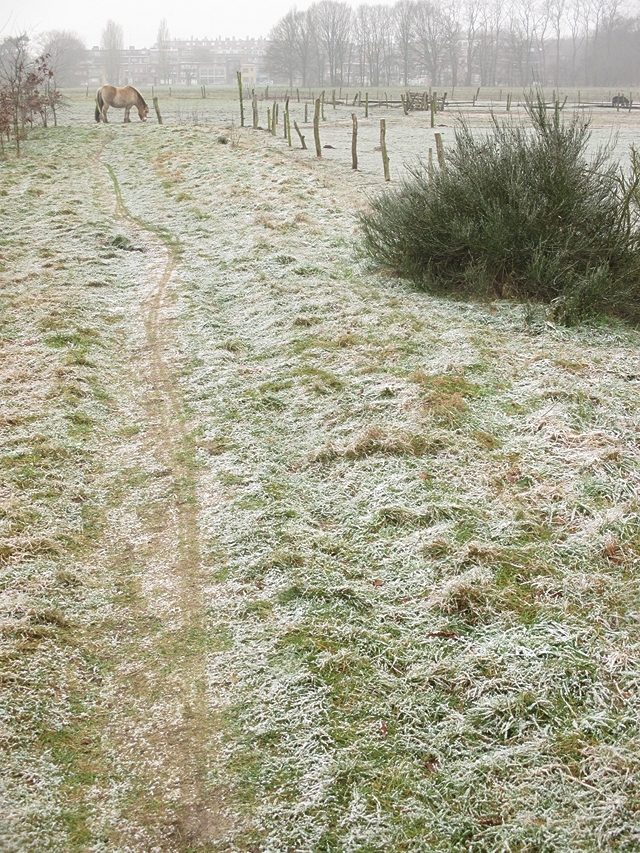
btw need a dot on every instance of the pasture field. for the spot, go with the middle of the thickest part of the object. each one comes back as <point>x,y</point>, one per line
<point>295,557</point>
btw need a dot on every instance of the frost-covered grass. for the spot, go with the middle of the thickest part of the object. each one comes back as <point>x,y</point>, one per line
<point>422,516</point>
<point>61,311</point>
<point>420,520</point>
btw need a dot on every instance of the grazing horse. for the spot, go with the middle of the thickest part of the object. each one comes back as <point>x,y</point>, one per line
<point>119,97</point>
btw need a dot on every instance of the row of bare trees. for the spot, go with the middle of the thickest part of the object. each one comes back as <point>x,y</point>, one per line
<point>458,42</point>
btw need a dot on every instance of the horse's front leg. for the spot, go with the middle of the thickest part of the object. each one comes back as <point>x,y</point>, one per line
<point>127,110</point>
<point>104,114</point>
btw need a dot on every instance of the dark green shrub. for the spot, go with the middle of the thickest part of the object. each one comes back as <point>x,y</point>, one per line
<point>521,212</point>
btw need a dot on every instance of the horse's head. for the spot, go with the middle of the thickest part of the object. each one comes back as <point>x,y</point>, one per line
<point>143,112</point>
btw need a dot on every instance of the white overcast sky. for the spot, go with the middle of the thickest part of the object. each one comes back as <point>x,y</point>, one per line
<point>140,18</point>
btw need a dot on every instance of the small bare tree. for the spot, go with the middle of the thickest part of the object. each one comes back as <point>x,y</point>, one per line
<point>25,93</point>
<point>112,44</point>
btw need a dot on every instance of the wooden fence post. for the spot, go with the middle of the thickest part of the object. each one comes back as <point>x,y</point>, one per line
<point>287,123</point>
<point>239,74</point>
<point>306,112</point>
<point>433,110</point>
<point>366,105</point>
<point>383,148</point>
<point>354,142</point>
<point>157,109</point>
<point>302,142</point>
<point>316,128</point>
<point>322,105</point>
<point>255,111</point>
<point>440,152</point>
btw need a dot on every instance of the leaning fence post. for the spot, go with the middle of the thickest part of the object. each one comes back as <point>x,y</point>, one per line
<point>239,75</point>
<point>316,128</point>
<point>157,109</point>
<point>302,142</point>
<point>440,152</point>
<point>354,142</point>
<point>383,148</point>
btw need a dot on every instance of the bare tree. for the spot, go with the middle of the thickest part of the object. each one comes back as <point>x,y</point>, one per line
<point>164,52</point>
<point>372,25</point>
<point>451,33</point>
<point>403,36</point>
<point>282,53</point>
<point>430,41</point>
<point>66,52</point>
<point>112,44</point>
<point>14,68</point>
<point>25,96</point>
<point>333,24</point>
<point>577,35</point>
<point>291,47</point>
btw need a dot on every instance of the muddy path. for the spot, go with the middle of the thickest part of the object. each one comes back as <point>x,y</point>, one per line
<point>162,734</point>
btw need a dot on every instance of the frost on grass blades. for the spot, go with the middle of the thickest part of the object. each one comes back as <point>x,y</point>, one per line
<point>521,211</point>
<point>417,523</point>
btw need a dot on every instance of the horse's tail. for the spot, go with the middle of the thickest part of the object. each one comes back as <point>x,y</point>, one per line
<point>99,105</point>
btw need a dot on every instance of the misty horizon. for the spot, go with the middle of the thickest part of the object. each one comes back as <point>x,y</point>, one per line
<point>140,24</point>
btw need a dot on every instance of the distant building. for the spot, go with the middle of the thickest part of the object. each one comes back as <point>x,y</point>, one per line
<point>186,62</point>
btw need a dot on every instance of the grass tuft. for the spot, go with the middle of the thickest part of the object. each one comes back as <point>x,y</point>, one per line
<point>374,440</point>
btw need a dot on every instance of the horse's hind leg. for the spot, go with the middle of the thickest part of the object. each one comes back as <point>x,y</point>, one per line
<point>127,110</point>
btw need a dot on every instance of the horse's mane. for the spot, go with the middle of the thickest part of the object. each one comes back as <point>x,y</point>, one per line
<point>144,103</point>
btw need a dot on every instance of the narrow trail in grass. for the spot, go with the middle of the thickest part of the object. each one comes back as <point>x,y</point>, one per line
<point>164,731</point>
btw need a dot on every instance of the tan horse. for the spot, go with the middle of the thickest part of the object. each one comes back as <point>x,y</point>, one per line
<point>119,97</point>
